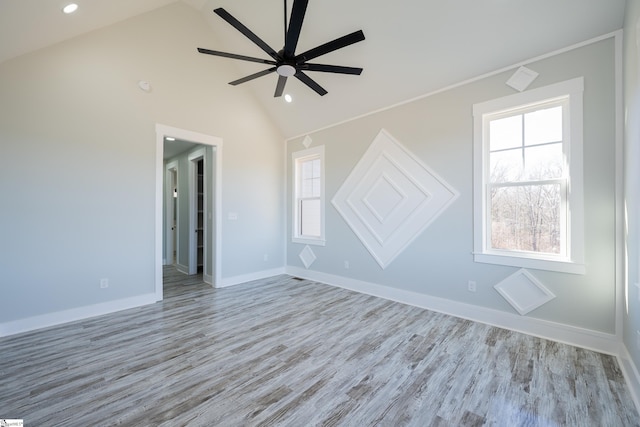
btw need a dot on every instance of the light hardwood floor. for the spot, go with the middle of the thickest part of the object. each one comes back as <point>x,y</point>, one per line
<point>293,352</point>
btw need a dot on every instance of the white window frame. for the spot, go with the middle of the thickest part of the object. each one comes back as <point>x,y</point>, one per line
<point>297,158</point>
<point>572,261</point>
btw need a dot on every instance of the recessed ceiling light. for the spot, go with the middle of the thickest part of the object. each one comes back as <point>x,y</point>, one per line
<point>170,138</point>
<point>288,98</point>
<point>70,8</point>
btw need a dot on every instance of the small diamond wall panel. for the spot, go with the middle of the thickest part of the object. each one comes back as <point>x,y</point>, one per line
<point>524,292</point>
<point>390,198</point>
<point>307,257</point>
<point>522,78</point>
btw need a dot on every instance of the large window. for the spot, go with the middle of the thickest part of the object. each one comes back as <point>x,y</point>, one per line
<point>308,210</point>
<point>528,179</point>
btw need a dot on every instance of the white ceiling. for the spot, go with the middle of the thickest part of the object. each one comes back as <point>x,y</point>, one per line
<point>412,47</point>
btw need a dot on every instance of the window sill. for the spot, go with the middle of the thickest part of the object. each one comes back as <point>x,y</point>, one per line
<point>570,267</point>
<point>308,241</point>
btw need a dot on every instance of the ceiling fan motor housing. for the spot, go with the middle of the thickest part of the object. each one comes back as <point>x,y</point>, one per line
<point>286,70</point>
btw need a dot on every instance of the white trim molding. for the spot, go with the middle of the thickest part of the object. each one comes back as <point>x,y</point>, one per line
<point>630,373</point>
<point>171,211</point>
<point>74,314</point>
<point>244,278</point>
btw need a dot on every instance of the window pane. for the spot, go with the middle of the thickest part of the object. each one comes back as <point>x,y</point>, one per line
<point>307,169</point>
<point>526,218</point>
<point>307,188</point>
<point>505,133</point>
<point>506,166</point>
<point>543,161</point>
<point>543,126</point>
<point>310,217</point>
<point>316,187</point>
<point>311,187</point>
<point>315,164</point>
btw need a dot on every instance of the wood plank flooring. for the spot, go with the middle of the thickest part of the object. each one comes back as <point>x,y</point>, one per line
<point>297,353</point>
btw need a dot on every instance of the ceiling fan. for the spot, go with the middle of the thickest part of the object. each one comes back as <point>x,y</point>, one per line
<point>285,62</point>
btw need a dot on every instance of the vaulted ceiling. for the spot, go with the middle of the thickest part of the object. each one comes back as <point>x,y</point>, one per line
<point>412,47</point>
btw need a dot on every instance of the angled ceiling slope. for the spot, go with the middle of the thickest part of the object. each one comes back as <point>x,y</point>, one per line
<point>413,47</point>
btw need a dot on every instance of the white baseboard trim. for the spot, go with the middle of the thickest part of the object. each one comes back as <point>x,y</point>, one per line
<point>585,338</point>
<point>207,278</point>
<point>630,373</point>
<point>71,315</point>
<point>258,275</point>
<point>184,269</point>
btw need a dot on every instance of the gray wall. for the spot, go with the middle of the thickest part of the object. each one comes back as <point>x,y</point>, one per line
<point>438,130</point>
<point>632,176</point>
<point>77,153</point>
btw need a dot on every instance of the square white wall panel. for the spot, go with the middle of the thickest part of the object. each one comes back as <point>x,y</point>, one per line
<point>390,198</point>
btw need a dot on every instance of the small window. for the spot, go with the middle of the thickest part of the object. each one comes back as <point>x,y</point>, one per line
<point>308,210</point>
<point>528,179</point>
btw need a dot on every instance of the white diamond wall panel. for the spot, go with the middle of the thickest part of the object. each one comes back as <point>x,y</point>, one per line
<point>307,256</point>
<point>522,78</point>
<point>390,198</point>
<point>524,291</point>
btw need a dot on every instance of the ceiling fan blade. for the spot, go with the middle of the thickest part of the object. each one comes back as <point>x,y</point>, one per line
<point>247,32</point>
<point>331,69</point>
<point>252,76</point>
<point>311,83</point>
<point>336,44</point>
<point>282,80</point>
<point>295,26</point>
<point>234,56</point>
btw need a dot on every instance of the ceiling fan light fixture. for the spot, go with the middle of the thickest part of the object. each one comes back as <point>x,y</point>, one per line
<point>286,70</point>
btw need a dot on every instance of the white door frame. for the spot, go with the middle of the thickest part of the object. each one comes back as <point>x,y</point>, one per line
<point>170,243</point>
<point>163,131</point>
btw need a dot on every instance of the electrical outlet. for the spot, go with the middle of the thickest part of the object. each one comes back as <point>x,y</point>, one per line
<point>346,265</point>
<point>471,286</point>
<point>104,283</point>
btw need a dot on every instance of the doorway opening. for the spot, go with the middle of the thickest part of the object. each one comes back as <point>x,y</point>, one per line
<point>198,210</point>
<point>171,212</point>
<point>188,200</point>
